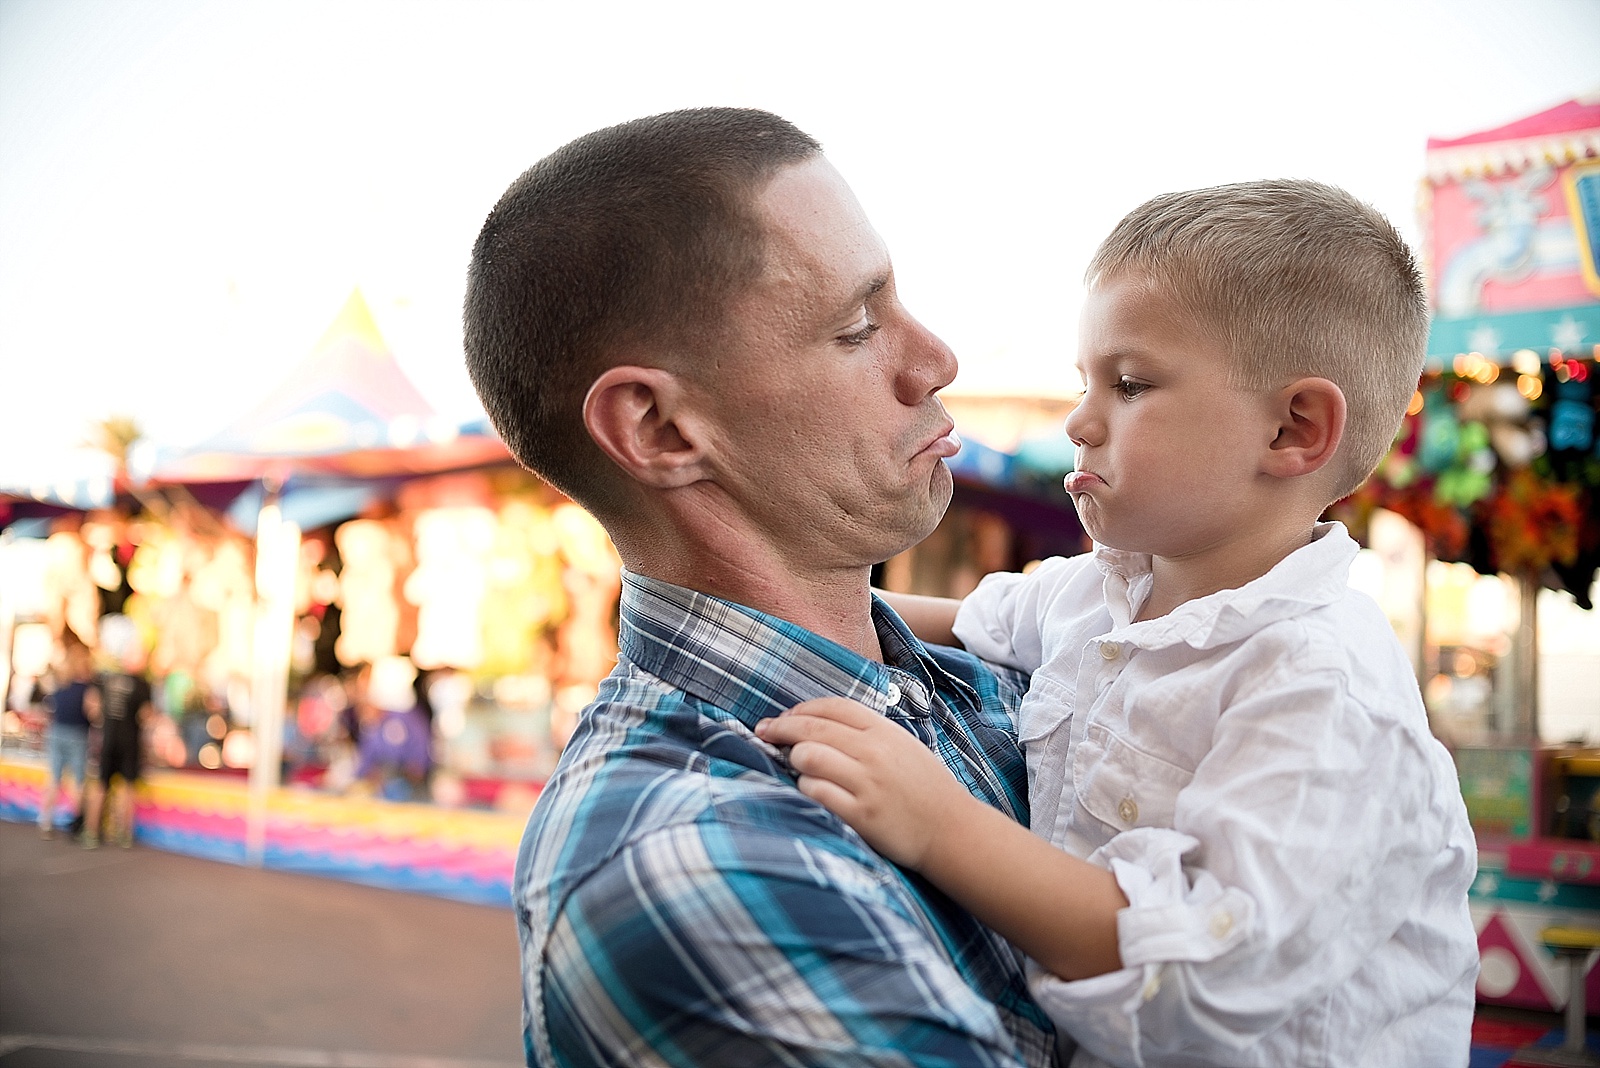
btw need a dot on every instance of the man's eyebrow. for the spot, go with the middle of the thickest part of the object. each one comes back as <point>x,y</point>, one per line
<point>851,304</point>
<point>867,291</point>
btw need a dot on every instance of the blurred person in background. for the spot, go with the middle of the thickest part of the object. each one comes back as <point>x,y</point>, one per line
<point>357,704</point>
<point>74,707</point>
<point>125,703</point>
<point>344,735</point>
<point>395,754</point>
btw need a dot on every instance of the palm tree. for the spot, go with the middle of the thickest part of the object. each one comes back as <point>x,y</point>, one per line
<point>114,435</point>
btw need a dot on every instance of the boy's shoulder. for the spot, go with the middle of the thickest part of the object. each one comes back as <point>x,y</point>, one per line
<point>1056,574</point>
<point>1348,636</point>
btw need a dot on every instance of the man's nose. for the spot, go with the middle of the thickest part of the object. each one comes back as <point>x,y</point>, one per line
<point>927,364</point>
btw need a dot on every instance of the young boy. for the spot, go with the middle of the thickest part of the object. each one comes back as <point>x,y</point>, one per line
<point>1247,849</point>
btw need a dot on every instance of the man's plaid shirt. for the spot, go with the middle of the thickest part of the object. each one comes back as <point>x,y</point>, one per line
<point>680,902</point>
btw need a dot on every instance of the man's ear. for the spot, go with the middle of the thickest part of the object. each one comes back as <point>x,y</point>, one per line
<point>1310,413</point>
<point>636,416</point>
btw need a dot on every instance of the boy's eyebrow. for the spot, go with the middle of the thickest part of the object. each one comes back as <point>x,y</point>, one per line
<point>1120,355</point>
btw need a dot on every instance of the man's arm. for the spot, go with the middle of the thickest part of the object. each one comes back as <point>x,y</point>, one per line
<point>930,618</point>
<point>728,943</point>
<point>1060,910</point>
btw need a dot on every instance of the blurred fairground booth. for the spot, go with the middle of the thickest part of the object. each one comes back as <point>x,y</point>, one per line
<point>1485,521</point>
<point>335,528</point>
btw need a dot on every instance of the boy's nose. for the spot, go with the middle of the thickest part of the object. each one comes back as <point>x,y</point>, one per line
<point>1080,425</point>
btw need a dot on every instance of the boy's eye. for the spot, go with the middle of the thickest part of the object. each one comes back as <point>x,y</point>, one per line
<point>1129,388</point>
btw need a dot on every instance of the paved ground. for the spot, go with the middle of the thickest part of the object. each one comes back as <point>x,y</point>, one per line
<point>140,959</point>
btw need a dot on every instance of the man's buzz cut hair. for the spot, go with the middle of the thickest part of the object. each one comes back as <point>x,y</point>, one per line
<point>629,241</point>
<point>1295,279</point>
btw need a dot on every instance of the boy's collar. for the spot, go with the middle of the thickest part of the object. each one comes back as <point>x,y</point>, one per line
<point>1313,575</point>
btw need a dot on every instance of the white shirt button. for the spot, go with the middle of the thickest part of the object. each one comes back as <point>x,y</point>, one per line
<point>1128,810</point>
<point>1110,650</point>
<point>894,694</point>
<point>1221,924</point>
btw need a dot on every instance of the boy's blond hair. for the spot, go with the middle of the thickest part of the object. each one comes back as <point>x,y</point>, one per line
<point>1295,279</point>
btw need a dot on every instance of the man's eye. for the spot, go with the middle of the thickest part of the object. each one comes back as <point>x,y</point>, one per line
<point>1129,388</point>
<point>860,337</point>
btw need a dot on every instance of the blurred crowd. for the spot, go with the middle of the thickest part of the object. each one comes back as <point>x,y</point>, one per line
<point>97,719</point>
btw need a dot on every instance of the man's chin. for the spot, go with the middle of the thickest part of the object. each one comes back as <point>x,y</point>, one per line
<point>943,487</point>
<point>923,516</point>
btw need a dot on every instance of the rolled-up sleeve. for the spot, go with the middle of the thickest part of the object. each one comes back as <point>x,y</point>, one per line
<point>1298,847</point>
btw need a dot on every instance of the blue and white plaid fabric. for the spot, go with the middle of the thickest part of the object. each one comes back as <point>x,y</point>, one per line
<point>680,902</point>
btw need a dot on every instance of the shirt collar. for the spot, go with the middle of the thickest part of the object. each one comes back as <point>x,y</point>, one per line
<point>754,665</point>
<point>1310,577</point>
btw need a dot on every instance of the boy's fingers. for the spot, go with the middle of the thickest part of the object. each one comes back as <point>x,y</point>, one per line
<point>824,762</point>
<point>787,730</point>
<point>830,795</point>
<point>838,709</point>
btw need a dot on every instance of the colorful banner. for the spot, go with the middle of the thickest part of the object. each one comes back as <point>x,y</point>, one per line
<point>1510,216</point>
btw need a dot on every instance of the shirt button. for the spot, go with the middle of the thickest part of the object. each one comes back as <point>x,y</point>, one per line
<point>1221,924</point>
<point>894,694</point>
<point>1128,810</point>
<point>1110,650</point>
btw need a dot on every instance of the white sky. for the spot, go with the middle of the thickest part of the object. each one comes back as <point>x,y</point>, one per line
<point>189,190</point>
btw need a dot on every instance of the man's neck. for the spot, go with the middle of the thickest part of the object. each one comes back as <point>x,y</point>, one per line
<point>833,603</point>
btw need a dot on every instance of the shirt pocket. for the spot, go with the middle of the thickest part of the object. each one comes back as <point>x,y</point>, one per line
<point>1124,787</point>
<point>1045,708</point>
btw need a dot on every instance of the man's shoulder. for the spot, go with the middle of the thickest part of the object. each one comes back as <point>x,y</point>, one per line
<point>646,763</point>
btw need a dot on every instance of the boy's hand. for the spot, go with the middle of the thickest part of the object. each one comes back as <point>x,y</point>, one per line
<point>870,772</point>
<point>900,797</point>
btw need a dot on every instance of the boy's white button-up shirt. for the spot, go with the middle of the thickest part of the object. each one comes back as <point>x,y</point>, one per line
<point>1257,771</point>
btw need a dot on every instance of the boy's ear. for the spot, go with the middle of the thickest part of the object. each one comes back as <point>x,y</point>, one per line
<point>1310,414</point>
<point>638,418</point>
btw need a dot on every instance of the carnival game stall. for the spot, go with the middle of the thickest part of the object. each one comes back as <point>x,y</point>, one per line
<point>368,511</point>
<point>337,525</point>
<point>1498,466</point>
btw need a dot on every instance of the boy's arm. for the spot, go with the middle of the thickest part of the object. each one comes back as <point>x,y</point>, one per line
<point>896,793</point>
<point>932,619</point>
